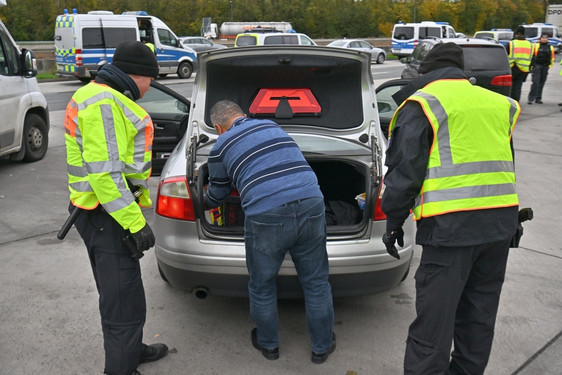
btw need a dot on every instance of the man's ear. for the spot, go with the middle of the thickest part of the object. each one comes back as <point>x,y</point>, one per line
<point>218,128</point>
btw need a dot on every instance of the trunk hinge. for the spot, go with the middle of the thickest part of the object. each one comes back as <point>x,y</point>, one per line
<point>376,167</point>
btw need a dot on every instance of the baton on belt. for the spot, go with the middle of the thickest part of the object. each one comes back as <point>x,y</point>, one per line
<point>137,191</point>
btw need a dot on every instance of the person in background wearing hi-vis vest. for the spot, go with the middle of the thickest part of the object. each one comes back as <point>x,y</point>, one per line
<point>450,160</point>
<point>520,53</point>
<point>543,59</point>
<point>109,155</point>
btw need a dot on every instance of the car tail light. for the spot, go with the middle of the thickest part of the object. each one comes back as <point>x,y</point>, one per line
<point>174,199</point>
<point>379,215</point>
<point>504,80</point>
<point>78,54</point>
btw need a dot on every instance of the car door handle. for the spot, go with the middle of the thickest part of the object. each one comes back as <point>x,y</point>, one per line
<point>158,127</point>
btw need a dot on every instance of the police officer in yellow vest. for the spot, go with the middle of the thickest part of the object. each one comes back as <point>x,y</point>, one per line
<point>520,53</point>
<point>109,152</point>
<point>450,160</point>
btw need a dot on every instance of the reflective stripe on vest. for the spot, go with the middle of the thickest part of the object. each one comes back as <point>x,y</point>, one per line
<point>109,140</point>
<point>468,169</point>
<point>520,54</point>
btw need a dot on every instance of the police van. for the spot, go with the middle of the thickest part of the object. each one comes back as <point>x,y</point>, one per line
<point>534,31</point>
<point>24,128</point>
<point>85,42</point>
<point>406,36</point>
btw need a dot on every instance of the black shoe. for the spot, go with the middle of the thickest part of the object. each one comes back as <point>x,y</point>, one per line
<point>322,357</point>
<point>529,102</point>
<point>136,372</point>
<point>538,101</point>
<point>271,354</point>
<point>559,103</point>
<point>154,352</point>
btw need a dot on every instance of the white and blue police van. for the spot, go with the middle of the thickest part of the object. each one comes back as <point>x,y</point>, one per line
<point>86,42</point>
<point>533,33</point>
<point>406,36</point>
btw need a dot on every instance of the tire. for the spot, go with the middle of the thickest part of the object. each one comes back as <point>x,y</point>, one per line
<point>162,75</point>
<point>184,70</point>
<point>380,58</point>
<point>35,138</point>
<point>85,80</point>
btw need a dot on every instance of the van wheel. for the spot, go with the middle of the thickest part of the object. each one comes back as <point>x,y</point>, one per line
<point>85,80</point>
<point>184,70</point>
<point>380,58</point>
<point>35,138</point>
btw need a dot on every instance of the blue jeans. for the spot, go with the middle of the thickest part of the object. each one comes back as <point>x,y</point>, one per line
<point>300,228</point>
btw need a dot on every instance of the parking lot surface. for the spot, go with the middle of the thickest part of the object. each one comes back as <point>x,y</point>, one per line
<point>48,304</point>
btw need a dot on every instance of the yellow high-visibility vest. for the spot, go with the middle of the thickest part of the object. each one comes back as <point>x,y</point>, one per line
<point>470,164</point>
<point>108,141</point>
<point>520,54</point>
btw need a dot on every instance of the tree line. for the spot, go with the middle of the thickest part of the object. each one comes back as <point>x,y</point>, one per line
<point>30,20</point>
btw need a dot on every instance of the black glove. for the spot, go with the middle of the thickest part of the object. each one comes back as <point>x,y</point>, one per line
<point>389,238</point>
<point>140,241</point>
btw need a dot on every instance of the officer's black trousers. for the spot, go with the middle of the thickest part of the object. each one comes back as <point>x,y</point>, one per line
<point>122,301</point>
<point>457,297</point>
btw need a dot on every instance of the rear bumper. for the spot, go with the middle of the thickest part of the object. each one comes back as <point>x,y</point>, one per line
<point>235,282</point>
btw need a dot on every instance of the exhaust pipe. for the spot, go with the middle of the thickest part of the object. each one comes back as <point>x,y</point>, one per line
<point>201,292</point>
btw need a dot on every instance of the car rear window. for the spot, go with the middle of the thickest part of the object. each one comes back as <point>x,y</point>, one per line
<point>485,58</point>
<point>403,32</point>
<point>484,36</point>
<point>281,39</point>
<point>246,40</point>
<point>531,32</point>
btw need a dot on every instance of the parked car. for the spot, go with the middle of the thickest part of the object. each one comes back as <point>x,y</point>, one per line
<point>503,36</point>
<point>485,62</point>
<point>169,112</point>
<point>332,115</point>
<point>199,44</point>
<point>378,55</point>
<point>270,38</point>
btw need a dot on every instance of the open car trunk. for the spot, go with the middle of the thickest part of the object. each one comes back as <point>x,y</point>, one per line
<point>345,185</point>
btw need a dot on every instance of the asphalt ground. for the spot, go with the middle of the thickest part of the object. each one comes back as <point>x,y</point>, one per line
<point>49,323</point>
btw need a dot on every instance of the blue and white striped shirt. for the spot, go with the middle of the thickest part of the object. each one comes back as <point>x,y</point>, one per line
<point>263,163</point>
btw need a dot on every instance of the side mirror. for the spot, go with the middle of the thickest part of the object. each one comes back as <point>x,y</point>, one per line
<point>28,63</point>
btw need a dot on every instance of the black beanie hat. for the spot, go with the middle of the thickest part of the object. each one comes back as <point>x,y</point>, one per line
<point>441,56</point>
<point>134,57</point>
<point>520,30</point>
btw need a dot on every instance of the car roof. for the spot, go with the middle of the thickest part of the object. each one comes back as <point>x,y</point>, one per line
<point>465,41</point>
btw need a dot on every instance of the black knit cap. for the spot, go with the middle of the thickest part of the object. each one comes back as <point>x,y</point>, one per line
<point>442,55</point>
<point>134,57</point>
<point>520,30</point>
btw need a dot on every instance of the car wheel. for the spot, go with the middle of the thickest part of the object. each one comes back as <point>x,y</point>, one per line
<point>184,70</point>
<point>35,138</point>
<point>380,58</point>
<point>85,80</point>
<point>162,75</point>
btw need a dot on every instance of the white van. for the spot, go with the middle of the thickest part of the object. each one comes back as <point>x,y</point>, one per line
<point>85,42</point>
<point>406,36</point>
<point>534,31</point>
<point>24,128</point>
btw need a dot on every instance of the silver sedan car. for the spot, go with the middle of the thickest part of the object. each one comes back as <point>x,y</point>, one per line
<point>324,98</point>
<point>378,55</point>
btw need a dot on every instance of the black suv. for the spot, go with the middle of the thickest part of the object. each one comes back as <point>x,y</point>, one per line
<point>485,62</point>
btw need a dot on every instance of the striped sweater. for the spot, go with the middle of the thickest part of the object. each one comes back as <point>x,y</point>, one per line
<point>263,163</point>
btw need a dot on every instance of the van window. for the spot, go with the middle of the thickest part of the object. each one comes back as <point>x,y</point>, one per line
<point>306,41</point>
<point>110,37</point>
<point>64,38</point>
<point>484,36</point>
<point>8,55</point>
<point>548,31</point>
<point>531,32</point>
<point>429,32</point>
<point>404,32</point>
<point>246,40</point>
<point>281,39</point>
<point>167,38</point>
